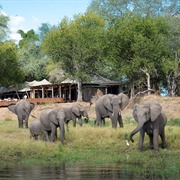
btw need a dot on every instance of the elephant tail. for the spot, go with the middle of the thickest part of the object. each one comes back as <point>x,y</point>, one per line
<point>30,114</point>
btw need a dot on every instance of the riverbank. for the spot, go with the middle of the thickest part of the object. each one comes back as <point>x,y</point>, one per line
<point>100,145</point>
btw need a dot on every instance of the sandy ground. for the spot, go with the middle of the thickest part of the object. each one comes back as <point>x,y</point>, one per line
<point>170,105</point>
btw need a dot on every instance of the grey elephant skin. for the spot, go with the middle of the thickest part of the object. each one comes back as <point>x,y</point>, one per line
<point>35,129</point>
<point>22,109</point>
<point>152,121</point>
<point>72,112</point>
<point>110,106</point>
<point>50,120</point>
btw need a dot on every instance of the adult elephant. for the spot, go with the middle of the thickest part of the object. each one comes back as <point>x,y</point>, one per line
<point>151,120</point>
<point>75,111</point>
<point>50,120</point>
<point>22,109</point>
<point>111,105</point>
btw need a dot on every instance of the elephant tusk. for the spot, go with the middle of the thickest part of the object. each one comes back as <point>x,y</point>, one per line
<point>113,114</point>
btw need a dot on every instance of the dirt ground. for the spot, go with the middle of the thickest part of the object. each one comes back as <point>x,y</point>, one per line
<point>170,105</point>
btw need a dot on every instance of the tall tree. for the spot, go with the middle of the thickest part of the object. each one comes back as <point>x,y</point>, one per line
<point>112,9</point>
<point>77,45</point>
<point>3,26</point>
<point>11,72</point>
<point>133,48</point>
<point>172,69</point>
<point>30,56</point>
<point>43,30</point>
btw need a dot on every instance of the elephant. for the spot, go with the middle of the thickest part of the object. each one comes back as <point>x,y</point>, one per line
<point>151,120</point>
<point>110,105</point>
<point>51,119</point>
<point>35,129</point>
<point>75,111</point>
<point>22,109</point>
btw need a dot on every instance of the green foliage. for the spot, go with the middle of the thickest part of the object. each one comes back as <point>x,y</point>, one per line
<point>27,38</point>
<point>174,122</point>
<point>3,26</point>
<point>11,72</point>
<point>133,42</point>
<point>43,30</point>
<point>33,62</point>
<point>76,44</point>
<point>113,9</point>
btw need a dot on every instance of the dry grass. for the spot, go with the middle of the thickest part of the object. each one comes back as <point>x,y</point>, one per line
<point>103,142</point>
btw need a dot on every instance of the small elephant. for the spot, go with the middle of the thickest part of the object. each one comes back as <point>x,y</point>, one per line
<point>151,120</point>
<point>22,109</point>
<point>35,129</point>
<point>110,105</point>
<point>75,111</point>
<point>51,119</point>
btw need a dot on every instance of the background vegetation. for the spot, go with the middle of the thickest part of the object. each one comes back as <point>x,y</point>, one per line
<point>136,42</point>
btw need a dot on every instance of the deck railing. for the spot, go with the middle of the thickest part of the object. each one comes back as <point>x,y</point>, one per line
<point>5,103</point>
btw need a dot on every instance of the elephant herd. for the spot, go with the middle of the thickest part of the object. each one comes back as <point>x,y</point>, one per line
<point>149,117</point>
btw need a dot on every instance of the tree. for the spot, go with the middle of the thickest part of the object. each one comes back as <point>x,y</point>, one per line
<point>27,38</point>
<point>172,69</point>
<point>43,30</point>
<point>133,48</point>
<point>11,72</point>
<point>112,9</point>
<point>33,62</point>
<point>3,26</point>
<point>77,45</point>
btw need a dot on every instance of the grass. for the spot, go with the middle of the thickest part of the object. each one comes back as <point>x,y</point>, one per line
<point>89,144</point>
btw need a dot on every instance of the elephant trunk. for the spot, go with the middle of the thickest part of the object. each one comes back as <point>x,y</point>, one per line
<point>115,114</point>
<point>137,129</point>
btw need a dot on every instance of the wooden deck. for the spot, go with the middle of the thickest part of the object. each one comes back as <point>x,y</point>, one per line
<point>5,103</point>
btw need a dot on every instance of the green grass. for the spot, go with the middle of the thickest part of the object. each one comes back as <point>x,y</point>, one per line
<point>89,144</point>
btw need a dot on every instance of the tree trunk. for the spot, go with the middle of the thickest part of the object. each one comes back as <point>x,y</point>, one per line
<point>79,97</point>
<point>132,89</point>
<point>148,79</point>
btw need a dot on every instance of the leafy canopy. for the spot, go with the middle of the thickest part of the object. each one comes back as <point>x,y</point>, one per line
<point>77,45</point>
<point>10,72</point>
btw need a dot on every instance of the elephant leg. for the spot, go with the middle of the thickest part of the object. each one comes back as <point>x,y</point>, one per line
<point>103,121</point>
<point>141,139</point>
<point>20,122</point>
<point>80,121</point>
<point>35,137</point>
<point>162,135</point>
<point>26,122</point>
<point>155,139</point>
<point>120,121</point>
<point>151,141</point>
<point>74,122</point>
<point>46,135</point>
<point>54,133</point>
<point>98,120</point>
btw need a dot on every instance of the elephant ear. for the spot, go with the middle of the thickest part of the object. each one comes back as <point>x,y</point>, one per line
<point>135,112</point>
<point>124,100</point>
<point>53,116</point>
<point>76,110</point>
<point>11,107</point>
<point>107,102</point>
<point>32,105</point>
<point>155,110</point>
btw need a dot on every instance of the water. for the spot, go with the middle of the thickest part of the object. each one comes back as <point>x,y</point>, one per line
<point>68,172</point>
